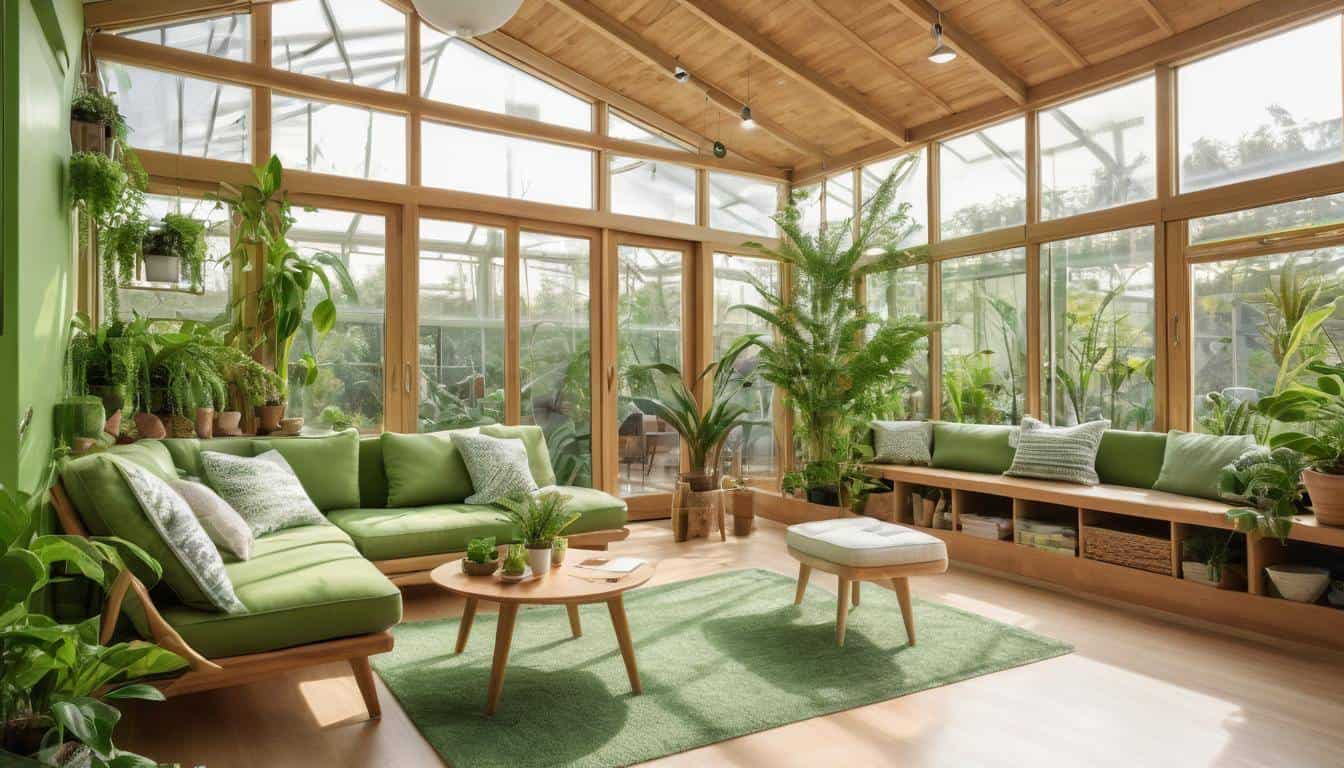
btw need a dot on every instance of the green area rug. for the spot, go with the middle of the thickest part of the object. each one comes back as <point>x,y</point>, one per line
<point>719,656</point>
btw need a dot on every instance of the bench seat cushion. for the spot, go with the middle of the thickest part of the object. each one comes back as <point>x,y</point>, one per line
<point>862,542</point>
<point>394,533</point>
<point>302,585</point>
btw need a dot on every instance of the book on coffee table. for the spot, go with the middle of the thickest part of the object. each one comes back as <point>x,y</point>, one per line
<point>612,565</point>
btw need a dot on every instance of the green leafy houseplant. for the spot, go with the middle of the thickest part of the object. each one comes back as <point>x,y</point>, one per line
<point>181,237</point>
<point>186,366</point>
<point>1269,485</point>
<point>482,550</point>
<point>540,517</point>
<point>703,431</point>
<point>1315,415</point>
<point>91,106</point>
<point>827,350</point>
<point>1214,549</point>
<point>112,361</point>
<point>515,560</point>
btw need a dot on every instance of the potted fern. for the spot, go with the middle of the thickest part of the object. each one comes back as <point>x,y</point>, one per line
<point>95,122</point>
<point>540,518</point>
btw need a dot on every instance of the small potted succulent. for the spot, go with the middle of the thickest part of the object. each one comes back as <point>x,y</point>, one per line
<point>482,557</point>
<point>515,563</point>
<point>539,518</point>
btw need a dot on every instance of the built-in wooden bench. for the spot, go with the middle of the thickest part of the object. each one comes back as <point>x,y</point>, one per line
<point>1253,609</point>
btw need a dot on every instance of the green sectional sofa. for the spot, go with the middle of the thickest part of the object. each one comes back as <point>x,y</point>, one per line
<point>313,593</point>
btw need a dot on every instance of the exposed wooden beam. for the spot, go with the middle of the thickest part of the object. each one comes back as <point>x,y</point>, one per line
<point>847,99</point>
<point>602,23</point>
<point>112,14</point>
<point>854,39</point>
<point>1003,78</point>
<point>1057,40</point>
<point>1156,15</point>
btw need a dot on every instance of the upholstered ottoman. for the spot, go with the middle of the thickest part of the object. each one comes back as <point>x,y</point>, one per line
<point>858,549</point>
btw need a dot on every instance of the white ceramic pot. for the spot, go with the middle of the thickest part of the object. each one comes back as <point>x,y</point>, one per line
<point>539,560</point>
<point>1299,583</point>
<point>163,269</point>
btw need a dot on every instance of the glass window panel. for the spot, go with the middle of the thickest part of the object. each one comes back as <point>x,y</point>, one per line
<point>213,300</point>
<point>506,166</point>
<point>749,453</point>
<point>984,338</point>
<point>350,357</point>
<point>902,294</point>
<point>912,189</point>
<point>354,41</point>
<point>808,202</point>
<point>461,295</point>
<point>331,138</point>
<point>652,189</point>
<point>839,199</point>
<point>457,72</point>
<point>648,314</point>
<point>227,37</point>
<point>1279,119</point>
<point>1098,152</point>
<point>1268,220</point>
<point>742,204</point>
<point>983,183</point>
<point>621,127</point>
<point>1097,319</point>
<point>1240,329</point>
<point>555,352</point>
<point>182,115</point>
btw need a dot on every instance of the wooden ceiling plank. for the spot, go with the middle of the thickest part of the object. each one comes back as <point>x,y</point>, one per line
<point>116,14</point>
<point>602,23</point>
<point>1155,14</point>
<point>854,39</point>
<point>851,101</point>
<point>1003,78</point>
<point>1057,40</point>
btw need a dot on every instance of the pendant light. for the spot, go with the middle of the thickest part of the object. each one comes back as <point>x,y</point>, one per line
<point>941,53</point>
<point>747,122</point>
<point>466,18</point>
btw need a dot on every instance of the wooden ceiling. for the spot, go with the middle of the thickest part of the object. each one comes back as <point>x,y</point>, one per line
<point>833,78</point>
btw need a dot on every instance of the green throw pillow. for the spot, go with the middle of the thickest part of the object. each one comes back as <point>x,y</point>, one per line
<point>498,466</point>
<point>263,490</point>
<point>1068,454</point>
<point>152,455</point>
<point>1192,462</point>
<point>1133,459</point>
<point>973,447</point>
<point>425,469</point>
<point>538,454</point>
<point>327,466</point>
<point>902,442</point>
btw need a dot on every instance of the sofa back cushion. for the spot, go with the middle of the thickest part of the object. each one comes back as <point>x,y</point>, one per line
<point>153,455</point>
<point>186,452</point>
<point>1133,459</point>
<point>1192,462</point>
<point>538,453</point>
<point>972,447</point>
<point>425,469</point>
<point>372,474</point>
<point>327,466</point>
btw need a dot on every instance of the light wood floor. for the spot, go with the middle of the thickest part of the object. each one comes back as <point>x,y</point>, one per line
<point>1139,691</point>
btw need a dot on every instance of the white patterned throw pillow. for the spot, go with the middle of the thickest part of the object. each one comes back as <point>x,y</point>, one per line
<point>225,527</point>
<point>1058,453</point>
<point>497,465</point>
<point>902,442</point>
<point>175,523</point>
<point>263,490</point>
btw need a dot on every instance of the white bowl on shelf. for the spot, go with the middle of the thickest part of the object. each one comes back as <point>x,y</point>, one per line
<point>1299,583</point>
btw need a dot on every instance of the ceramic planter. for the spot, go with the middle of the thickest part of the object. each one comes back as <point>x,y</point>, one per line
<point>205,423</point>
<point>473,568</point>
<point>269,416</point>
<point>1327,496</point>
<point>149,427</point>
<point>539,559</point>
<point>162,268</point>
<point>227,423</point>
<point>1299,583</point>
<point>292,426</point>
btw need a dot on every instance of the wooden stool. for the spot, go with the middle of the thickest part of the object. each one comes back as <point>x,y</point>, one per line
<point>858,549</point>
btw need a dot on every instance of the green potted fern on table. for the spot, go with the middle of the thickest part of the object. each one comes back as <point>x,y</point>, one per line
<point>540,517</point>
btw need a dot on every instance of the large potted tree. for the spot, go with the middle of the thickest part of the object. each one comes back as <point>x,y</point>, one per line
<point>826,350</point>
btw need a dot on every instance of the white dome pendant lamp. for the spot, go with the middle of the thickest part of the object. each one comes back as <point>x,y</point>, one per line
<point>466,18</point>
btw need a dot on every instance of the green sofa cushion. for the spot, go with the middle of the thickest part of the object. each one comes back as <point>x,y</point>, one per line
<point>302,585</point>
<point>372,474</point>
<point>424,469</point>
<point>538,455</point>
<point>327,466</point>
<point>1192,462</point>
<point>390,534</point>
<point>153,455</point>
<point>972,447</point>
<point>186,452</point>
<point>107,507</point>
<point>1133,459</point>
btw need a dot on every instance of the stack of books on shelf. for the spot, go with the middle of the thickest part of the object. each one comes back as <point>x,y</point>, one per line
<point>987,526</point>
<point>1061,539</point>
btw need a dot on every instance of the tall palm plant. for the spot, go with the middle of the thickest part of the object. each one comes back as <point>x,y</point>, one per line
<point>827,349</point>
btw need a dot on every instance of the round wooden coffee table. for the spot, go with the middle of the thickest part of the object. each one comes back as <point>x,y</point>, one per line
<point>566,585</point>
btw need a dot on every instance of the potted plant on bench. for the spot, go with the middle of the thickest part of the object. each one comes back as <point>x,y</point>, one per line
<point>1321,409</point>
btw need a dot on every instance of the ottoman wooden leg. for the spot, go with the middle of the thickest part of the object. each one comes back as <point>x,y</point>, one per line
<point>855,589</point>
<point>902,586</point>
<point>804,571</point>
<point>841,610</point>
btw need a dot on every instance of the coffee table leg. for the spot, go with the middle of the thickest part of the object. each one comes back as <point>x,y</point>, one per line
<point>464,629</point>
<point>508,612</point>
<point>574,625</point>
<point>617,607</point>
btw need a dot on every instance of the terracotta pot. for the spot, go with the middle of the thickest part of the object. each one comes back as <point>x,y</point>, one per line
<point>1327,496</point>
<point>270,416</point>
<point>227,423</point>
<point>149,427</point>
<point>205,423</point>
<point>292,426</point>
<point>113,424</point>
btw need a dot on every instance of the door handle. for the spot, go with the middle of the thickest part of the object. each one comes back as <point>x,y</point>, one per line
<point>1176,328</point>
<point>611,377</point>
<point>406,377</point>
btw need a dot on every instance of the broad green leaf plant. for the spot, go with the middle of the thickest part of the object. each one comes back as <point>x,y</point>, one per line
<point>1268,484</point>
<point>1315,414</point>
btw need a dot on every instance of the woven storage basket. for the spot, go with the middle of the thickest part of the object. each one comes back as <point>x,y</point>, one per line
<point>1132,550</point>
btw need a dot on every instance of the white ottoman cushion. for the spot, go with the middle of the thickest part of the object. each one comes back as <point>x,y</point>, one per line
<point>862,542</point>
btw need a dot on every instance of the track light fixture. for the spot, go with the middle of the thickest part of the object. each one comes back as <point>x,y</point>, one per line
<point>941,53</point>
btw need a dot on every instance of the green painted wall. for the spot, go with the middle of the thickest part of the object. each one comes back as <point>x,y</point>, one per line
<point>40,49</point>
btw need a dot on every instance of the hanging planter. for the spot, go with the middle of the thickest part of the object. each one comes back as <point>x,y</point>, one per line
<point>96,125</point>
<point>174,252</point>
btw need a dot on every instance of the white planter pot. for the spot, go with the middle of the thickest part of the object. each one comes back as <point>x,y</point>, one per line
<point>163,269</point>
<point>1299,583</point>
<point>539,560</point>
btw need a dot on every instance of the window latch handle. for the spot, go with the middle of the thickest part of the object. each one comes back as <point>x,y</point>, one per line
<point>1176,328</point>
<point>406,377</point>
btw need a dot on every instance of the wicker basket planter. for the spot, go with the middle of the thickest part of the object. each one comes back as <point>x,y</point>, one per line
<point>1132,550</point>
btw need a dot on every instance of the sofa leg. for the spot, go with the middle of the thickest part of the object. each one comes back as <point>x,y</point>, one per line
<point>367,687</point>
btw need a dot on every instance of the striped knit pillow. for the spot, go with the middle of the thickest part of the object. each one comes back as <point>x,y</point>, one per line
<point>1058,453</point>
